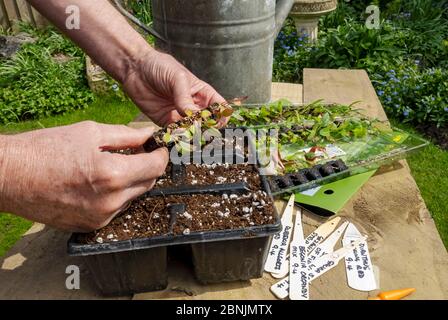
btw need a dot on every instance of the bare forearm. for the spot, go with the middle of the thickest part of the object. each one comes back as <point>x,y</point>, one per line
<point>60,177</point>
<point>104,33</point>
<point>11,157</point>
<point>157,83</point>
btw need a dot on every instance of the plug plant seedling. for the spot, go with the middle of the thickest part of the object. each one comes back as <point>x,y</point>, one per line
<point>306,132</point>
<point>180,133</point>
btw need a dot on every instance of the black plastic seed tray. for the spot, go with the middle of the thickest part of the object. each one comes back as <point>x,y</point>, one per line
<point>308,177</point>
<point>140,265</point>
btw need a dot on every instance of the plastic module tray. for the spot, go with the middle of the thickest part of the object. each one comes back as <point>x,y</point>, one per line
<point>139,265</point>
<point>316,175</point>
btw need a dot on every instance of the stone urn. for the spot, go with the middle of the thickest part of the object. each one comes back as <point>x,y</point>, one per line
<point>306,15</point>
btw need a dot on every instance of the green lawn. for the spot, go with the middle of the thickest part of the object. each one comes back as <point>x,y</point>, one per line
<point>429,167</point>
<point>11,229</point>
<point>105,110</point>
<point>430,170</point>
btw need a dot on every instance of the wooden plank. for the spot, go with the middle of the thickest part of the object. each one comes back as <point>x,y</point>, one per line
<point>35,268</point>
<point>17,10</point>
<point>21,10</point>
<point>4,14</point>
<point>290,91</point>
<point>31,14</point>
<point>342,86</point>
<point>404,241</point>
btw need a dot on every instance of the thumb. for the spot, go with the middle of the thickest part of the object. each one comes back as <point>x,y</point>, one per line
<point>123,137</point>
<point>144,167</point>
<point>182,95</point>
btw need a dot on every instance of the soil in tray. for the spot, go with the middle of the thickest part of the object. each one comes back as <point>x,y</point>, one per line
<point>202,174</point>
<point>149,216</point>
<point>221,212</point>
<point>145,217</point>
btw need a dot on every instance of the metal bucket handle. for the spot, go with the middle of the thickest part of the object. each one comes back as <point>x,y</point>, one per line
<point>282,9</point>
<point>149,29</point>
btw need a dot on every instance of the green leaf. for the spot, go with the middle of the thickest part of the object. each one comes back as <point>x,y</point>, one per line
<point>210,123</point>
<point>166,137</point>
<point>205,114</point>
<point>325,119</point>
<point>325,132</point>
<point>183,147</point>
<point>310,156</point>
<point>360,132</point>
<point>213,132</point>
<point>236,115</point>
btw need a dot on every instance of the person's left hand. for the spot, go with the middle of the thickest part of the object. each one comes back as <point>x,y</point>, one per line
<point>164,89</point>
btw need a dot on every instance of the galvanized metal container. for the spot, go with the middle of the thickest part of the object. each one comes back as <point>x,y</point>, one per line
<point>227,43</point>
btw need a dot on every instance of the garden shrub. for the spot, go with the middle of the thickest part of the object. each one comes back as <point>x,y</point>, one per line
<point>141,9</point>
<point>406,58</point>
<point>291,54</point>
<point>354,46</point>
<point>44,78</point>
<point>424,30</point>
<point>415,96</point>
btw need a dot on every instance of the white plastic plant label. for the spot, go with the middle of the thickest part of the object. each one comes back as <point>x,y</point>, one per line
<point>280,241</point>
<point>330,151</point>
<point>285,270</point>
<point>318,268</point>
<point>281,288</point>
<point>318,235</point>
<point>329,261</point>
<point>358,265</point>
<point>334,151</point>
<point>327,246</point>
<point>298,275</point>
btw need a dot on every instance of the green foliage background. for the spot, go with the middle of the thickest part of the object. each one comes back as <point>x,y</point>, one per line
<point>44,78</point>
<point>406,58</point>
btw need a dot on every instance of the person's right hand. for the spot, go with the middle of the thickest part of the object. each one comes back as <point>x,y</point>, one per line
<point>63,176</point>
<point>164,89</point>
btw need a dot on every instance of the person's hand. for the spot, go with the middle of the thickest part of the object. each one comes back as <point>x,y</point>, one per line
<point>164,89</point>
<point>64,177</point>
